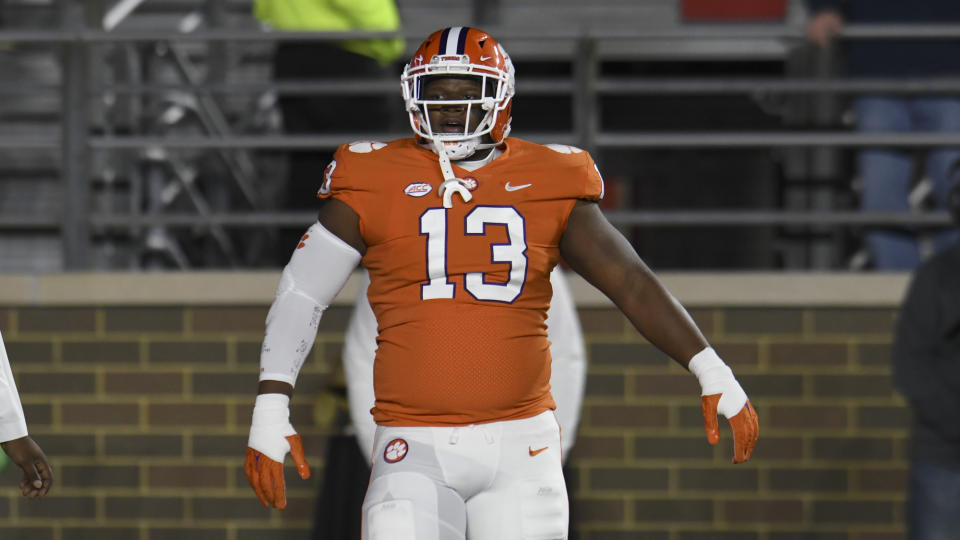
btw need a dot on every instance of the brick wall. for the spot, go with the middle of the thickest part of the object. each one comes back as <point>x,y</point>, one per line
<point>830,460</point>
<point>143,406</point>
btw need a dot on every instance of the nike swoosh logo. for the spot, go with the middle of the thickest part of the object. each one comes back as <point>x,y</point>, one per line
<point>537,451</point>
<point>508,187</point>
<point>485,58</point>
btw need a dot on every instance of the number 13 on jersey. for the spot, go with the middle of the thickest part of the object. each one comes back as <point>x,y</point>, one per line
<point>433,225</point>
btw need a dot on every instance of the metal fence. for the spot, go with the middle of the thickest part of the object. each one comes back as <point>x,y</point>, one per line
<point>81,139</point>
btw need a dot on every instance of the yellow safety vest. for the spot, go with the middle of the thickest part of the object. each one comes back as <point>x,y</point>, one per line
<point>339,15</point>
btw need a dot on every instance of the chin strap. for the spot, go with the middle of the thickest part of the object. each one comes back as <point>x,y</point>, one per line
<point>451,184</point>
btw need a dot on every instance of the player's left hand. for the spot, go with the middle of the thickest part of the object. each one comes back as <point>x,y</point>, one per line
<point>721,393</point>
<point>37,474</point>
<point>271,437</point>
<point>744,424</point>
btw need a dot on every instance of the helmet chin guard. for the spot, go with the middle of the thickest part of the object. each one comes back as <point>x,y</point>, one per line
<point>460,149</point>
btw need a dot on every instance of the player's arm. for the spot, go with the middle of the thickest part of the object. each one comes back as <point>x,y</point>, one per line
<point>37,473</point>
<point>319,267</point>
<point>340,219</point>
<point>14,441</point>
<point>599,253</point>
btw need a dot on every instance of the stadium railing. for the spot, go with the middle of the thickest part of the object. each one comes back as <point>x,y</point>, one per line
<point>78,141</point>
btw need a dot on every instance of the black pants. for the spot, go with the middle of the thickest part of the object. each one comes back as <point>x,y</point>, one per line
<point>346,475</point>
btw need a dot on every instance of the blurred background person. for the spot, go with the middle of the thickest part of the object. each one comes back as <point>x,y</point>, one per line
<point>926,362</point>
<point>16,444</point>
<point>888,175</point>
<point>348,458</point>
<point>311,61</point>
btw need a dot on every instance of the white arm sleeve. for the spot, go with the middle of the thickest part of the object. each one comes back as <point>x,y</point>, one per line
<point>359,350</point>
<point>569,368</point>
<point>318,269</point>
<point>13,425</point>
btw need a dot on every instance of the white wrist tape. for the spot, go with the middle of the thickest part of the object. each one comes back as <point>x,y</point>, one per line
<point>716,377</point>
<point>317,270</point>
<point>271,426</point>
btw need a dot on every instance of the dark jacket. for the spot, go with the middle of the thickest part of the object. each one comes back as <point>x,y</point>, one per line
<point>926,358</point>
<point>898,57</point>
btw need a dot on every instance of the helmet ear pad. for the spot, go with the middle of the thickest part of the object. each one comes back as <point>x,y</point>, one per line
<point>501,129</point>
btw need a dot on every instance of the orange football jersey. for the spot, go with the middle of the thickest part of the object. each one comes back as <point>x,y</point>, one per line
<point>461,294</point>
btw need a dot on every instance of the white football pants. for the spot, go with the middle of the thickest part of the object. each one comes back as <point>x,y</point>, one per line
<point>496,481</point>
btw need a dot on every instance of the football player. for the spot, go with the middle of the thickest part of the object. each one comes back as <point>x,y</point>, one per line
<point>19,447</point>
<point>459,257</point>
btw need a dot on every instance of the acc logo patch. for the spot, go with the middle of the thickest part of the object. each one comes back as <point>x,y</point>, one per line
<point>395,451</point>
<point>365,147</point>
<point>327,178</point>
<point>418,189</point>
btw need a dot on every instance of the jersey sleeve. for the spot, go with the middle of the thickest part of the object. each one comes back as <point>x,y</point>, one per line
<point>352,178</point>
<point>592,181</point>
<point>342,180</point>
<point>581,177</point>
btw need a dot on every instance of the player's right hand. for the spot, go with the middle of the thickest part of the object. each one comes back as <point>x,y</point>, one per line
<point>271,437</point>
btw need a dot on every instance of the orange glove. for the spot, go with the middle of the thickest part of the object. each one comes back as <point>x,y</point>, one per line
<point>744,426</point>
<point>721,393</point>
<point>271,437</point>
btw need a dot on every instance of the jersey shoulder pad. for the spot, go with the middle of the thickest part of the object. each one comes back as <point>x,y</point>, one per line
<point>564,148</point>
<point>364,147</point>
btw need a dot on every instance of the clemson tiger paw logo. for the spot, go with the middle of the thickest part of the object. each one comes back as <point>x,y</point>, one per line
<point>470,182</point>
<point>303,240</point>
<point>395,451</point>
